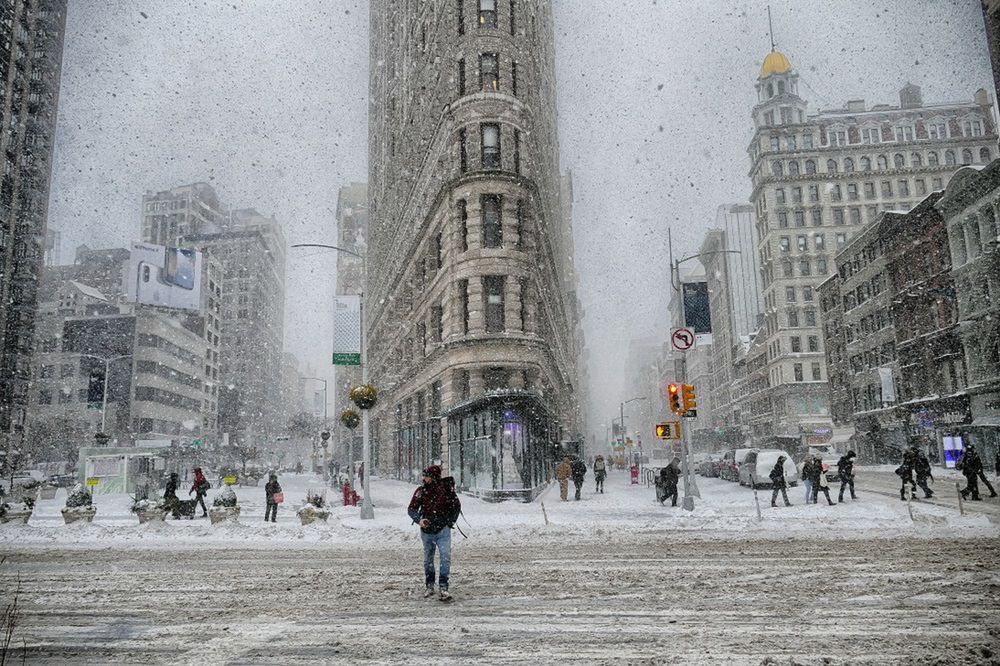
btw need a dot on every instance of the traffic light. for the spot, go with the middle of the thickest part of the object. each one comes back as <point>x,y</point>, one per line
<point>671,430</point>
<point>688,398</point>
<point>674,394</point>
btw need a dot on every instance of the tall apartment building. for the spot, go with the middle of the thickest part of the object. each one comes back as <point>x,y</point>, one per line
<point>31,45</point>
<point>971,209</point>
<point>470,322</point>
<point>729,254</point>
<point>243,304</point>
<point>817,179</point>
<point>352,232</point>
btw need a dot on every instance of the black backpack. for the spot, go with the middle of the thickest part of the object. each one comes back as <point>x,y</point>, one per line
<point>454,504</point>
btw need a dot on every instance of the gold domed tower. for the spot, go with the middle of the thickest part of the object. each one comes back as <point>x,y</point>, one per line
<point>778,101</point>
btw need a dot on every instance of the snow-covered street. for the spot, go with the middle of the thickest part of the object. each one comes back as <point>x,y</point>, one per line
<point>614,578</point>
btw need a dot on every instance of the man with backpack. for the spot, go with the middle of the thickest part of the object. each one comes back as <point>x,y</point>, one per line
<point>579,469</point>
<point>435,507</point>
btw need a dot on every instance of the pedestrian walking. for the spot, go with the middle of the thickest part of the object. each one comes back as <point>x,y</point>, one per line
<point>435,507</point>
<point>981,473</point>
<point>200,487</point>
<point>820,484</point>
<point>361,474</point>
<point>579,469</point>
<point>971,466</point>
<point>563,471</point>
<point>905,472</point>
<point>667,483</point>
<point>170,498</point>
<point>778,482</point>
<point>806,476</point>
<point>600,472</point>
<point>922,470</point>
<point>845,472</point>
<point>271,489</point>
<point>996,464</point>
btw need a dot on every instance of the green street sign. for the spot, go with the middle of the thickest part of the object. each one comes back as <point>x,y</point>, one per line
<point>94,405</point>
<point>196,442</point>
<point>346,359</point>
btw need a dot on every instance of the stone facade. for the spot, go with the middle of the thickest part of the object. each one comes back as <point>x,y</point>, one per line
<point>818,178</point>
<point>470,317</point>
<point>30,66</point>
<point>971,207</point>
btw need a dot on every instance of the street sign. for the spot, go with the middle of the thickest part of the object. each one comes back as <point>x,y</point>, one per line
<point>93,480</point>
<point>690,414</point>
<point>682,339</point>
<point>668,430</point>
<point>347,359</point>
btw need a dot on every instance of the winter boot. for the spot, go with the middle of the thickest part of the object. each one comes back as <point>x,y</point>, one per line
<point>428,593</point>
<point>445,595</point>
<point>788,503</point>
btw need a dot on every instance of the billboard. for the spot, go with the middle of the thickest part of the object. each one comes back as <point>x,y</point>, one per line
<point>347,330</point>
<point>169,277</point>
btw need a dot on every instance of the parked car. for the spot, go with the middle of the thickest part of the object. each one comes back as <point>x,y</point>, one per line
<point>830,458</point>
<point>709,467</point>
<point>757,465</point>
<point>61,480</point>
<point>730,468</point>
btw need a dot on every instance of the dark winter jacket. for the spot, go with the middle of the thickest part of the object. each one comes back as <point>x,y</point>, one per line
<point>807,471</point>
<point>778,475</point>
<point>669,476</point>
<point>600,469</point>
<point>922,467</point>
<point>579,470</point>
<point>971,463</point>
<point>845,468</point>
<point>816,472</point>
<point>170,493</point>
<point>270,489</point>
<point>436,502</point>
<point>996,464</point>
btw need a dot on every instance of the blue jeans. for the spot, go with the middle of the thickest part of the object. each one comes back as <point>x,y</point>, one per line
<point>809,490</point>
<point>442,543</point>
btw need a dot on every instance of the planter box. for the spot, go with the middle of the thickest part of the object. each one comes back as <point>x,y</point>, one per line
<point>47,492</point>
<point>83,514</point>
<point>17,517</point>
<point>222,514</point>
<point>309,514</point>
<point>150,516</point>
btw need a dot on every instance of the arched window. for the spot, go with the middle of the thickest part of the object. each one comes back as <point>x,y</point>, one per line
<point>932,159</point>
<point>770,90</point>
<point>949,157</point>
<point>848,164</point>
<point>984,155</point>
<point>883,162</point>
<point>916,160</point>
<point>831,166</point>
<point>793,168</point>
<point>967,156</point>
<point>781,87</point>
<point>898,160</point>
<point>777,169</point>
<point>811,166</point>
<point>866,164</point>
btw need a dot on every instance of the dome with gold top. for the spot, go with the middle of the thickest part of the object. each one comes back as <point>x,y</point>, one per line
<point>775,63</point>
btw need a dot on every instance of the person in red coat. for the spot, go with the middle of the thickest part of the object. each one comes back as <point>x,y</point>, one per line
<point>201,486</point>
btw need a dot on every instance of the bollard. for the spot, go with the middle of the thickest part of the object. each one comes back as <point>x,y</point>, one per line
<point>909,503</point>
<point>756,499</point>
<point>544,513</point>
<point>961,500</point>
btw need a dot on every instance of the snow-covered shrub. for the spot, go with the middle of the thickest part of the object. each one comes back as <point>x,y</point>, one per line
<point>227,498</point>
<point>159,504</point>
<point>79,498</point>
<point>313,509</point>
<point>317,500</point>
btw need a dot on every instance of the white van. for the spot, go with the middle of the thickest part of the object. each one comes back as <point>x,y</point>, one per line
<point>757,465</point>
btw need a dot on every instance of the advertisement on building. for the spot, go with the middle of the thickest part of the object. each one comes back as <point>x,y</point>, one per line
<point>169,277</point>
<point>347,330</point>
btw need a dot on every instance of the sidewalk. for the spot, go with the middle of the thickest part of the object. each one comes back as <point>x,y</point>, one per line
<point>881,479</point>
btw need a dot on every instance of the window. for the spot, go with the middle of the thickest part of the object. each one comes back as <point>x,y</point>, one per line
<point>831,166</point>
<point>786,113</point>
<point>793,318</point>
<point>782,220</point>
<point>921,186</point>
<point>819,241</point>
<point>869,190</point>
<point>838,216</point>
<point>972,128</point>
<point>984,155</point>
<point>848,164</point>
<point>898,160</point>
<point>852,191</point>
<point>904,188</point>
<point>45,397</point>
<point>800,218</point>
<point>796,344</point>
<point>513,15</point>
<point>807,293</point>
<point>791,142</point>
<point>463,296</point>
<point>461,77</point>
<point>841,240</point>
<point>814,193</point>
<point>790,294</point>
<point>437,323</point>
<point>489,72</point>
<point>491,145</point>
<point>488,13</point>
<point>492,222</point>
<point>872,212</point>
<point>817,373</point>
<point>786,268</point>
<point>932,159</point>
<point>871,135</point>
<point>866,164</point>
<point>797,369</point>
<point>779,195</point>
<point>67,370</point>
<point>916,160</point>
<point>775,143</point>
<point>821,268</point>
<point>836,194</point>
<point>883,162</point>
<point>807,142</point>
<point>463,149</point>
<point>513,79</point>
<point>793,168</point>
<point>460,15</point>
<point>524,293</point>
<point>48,371</point>
<point>949,157</point>
<point>517,152</point>
<point>810,166</point>
<point>937,129</point>
<point>817,217</point>
<point>904,133</point>
<point>785,243</point>
<point>805,268</point>
<point>802,243</point>
<point>493,297</point>
<point>886,188</point>
<point>769,118</point>
<point>855,216</point>
<point>967,156</point>
<point>521,230</point>
<point>463,224</point>
<point>810,317</point>
<point>777,169</point>
<point>837,137</point>
<point>813,343</point>
<point>937,183</point>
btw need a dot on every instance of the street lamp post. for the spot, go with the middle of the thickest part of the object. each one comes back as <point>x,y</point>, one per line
<point>326,401</point>
<point>104,398</point>
<point>621,411</point>
<point>367,508</point>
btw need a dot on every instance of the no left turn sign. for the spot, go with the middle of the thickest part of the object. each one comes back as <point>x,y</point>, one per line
<point>682,339</point>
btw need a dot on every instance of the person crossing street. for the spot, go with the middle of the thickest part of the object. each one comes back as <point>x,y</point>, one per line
<point>845,471</point>
<point>778,482</point>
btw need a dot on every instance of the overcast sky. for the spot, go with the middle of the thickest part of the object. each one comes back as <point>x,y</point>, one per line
<point>267,100</point>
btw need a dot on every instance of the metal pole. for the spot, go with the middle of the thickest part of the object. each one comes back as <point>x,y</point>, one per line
<point>621,416</point>
<point>104,400</point>
<point>367,510</point>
